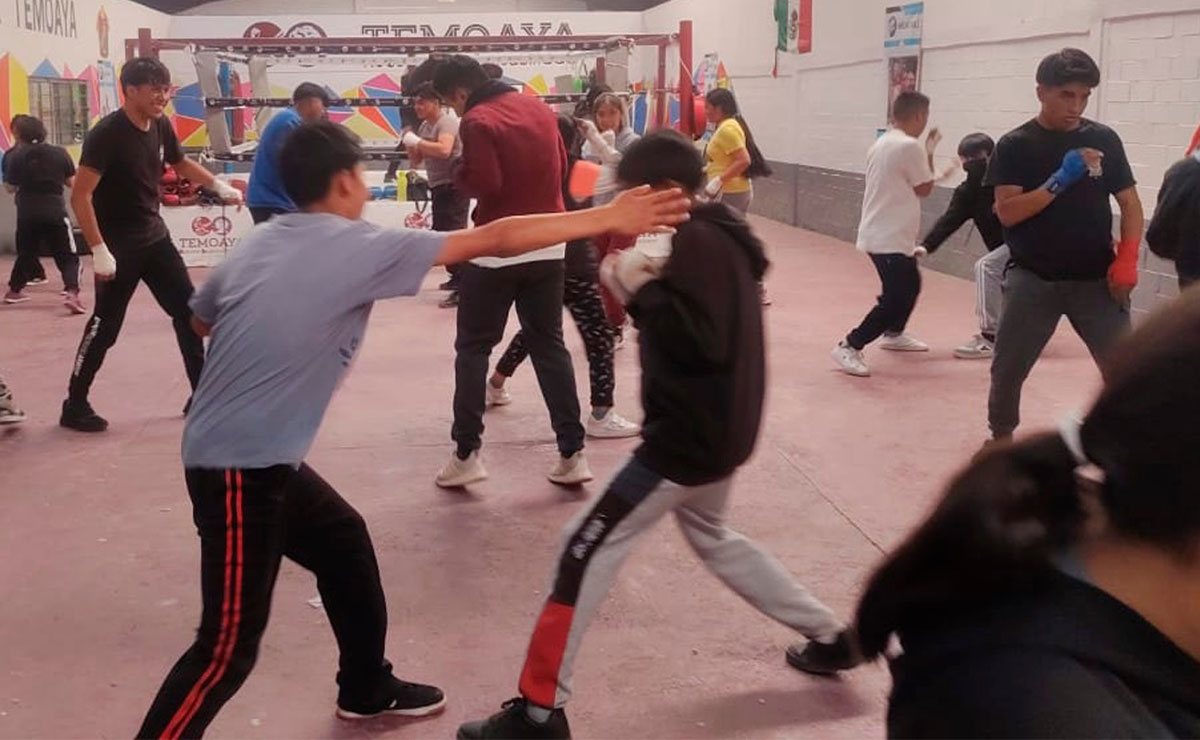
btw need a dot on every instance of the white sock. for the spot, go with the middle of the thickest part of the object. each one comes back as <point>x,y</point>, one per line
<point>538,714</point>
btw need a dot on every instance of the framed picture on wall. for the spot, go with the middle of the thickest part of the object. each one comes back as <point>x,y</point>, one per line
<point>903,75</point>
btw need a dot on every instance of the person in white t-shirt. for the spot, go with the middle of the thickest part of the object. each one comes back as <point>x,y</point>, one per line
<point>899,175</point>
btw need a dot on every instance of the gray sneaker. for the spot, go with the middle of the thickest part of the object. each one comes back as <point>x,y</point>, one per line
<point>977,348</point>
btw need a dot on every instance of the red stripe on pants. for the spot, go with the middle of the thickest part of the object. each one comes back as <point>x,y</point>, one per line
<point>231,610</point>
<point>539,677</point>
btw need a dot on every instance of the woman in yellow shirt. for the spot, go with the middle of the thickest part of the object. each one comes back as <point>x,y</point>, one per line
<point>733,157</point>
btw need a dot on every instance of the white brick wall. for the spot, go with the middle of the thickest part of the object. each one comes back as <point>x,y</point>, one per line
<point>985,87</point>
<point>1151,95</point>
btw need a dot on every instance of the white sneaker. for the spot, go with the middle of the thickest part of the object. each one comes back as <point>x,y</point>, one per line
<point>903,343</point>
<point>850,361</point>
<point>612,426</point>
<point>571,471</point>
<point>497,396</point>
<point>459,473</point>
<point>9,415</point>
<point>977,348</point>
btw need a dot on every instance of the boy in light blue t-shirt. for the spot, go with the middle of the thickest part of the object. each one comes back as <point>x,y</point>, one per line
<point>286,314</point>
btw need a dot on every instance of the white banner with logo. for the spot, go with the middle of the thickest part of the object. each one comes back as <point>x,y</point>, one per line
<point>205,234</point>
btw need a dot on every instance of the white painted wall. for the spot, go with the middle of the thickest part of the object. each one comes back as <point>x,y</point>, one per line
<point>978,67</point>
<point>65,51</point>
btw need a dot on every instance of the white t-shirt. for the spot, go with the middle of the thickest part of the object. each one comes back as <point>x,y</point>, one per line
<point>891,211</point>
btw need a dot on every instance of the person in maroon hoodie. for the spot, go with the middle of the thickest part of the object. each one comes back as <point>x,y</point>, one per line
<point>513,163</point>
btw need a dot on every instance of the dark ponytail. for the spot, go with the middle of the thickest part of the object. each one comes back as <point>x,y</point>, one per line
<point>993,532</point>
<point>28,129</point>
<point>723,100</point>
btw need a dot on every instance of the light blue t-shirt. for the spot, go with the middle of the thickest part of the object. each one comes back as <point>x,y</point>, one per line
<point>288,309</point>
<point>266,186</point>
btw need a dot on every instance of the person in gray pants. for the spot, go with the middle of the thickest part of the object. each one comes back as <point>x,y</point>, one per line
<point>1053,178</point>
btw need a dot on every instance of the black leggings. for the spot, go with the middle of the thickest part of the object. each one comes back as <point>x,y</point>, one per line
<point>581,296</point>
<point>31,237</point>
<point>248,520</point>
<point>161,267</point>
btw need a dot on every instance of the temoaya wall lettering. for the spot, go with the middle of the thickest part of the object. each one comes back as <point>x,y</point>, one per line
<point>55,17</point>
<point>424,30</point>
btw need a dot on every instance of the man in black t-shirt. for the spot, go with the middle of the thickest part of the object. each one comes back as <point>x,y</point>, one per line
<point>1053,178</point>
<point>116,200</point>
<point>38,172</point>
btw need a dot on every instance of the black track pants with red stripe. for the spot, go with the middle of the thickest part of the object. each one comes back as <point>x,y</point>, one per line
<point>248,520</point>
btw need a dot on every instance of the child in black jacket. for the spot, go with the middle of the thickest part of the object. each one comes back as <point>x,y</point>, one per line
<point>1174,231</point>
<point>974,201</point>
<point>694,299</point>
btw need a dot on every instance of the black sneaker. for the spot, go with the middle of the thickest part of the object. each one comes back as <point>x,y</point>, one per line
<point>823,659</point>
<point>397,699</point>
<point>512,723</point>
<point>81,417</point>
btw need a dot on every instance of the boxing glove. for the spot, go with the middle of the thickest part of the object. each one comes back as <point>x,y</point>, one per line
<point>1073,169</point>
<point>410,140</point>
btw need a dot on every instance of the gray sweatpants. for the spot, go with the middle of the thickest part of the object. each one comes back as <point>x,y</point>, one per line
<point>1032,309</point>
<point>599,540</point>
<point>989,291</point>
<point>739,202</point>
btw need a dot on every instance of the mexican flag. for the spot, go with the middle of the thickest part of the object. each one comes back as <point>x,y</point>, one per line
<point>794,20</point>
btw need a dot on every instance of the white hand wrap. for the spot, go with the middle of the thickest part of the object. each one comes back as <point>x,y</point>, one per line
<point>227,191</point>
<point>103,262</point>
<point>625,273</point>
<point>410,140</point>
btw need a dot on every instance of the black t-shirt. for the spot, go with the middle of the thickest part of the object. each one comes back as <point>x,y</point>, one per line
<point>1072,239</point>
<point>130,163</point>
<point>39,172</point>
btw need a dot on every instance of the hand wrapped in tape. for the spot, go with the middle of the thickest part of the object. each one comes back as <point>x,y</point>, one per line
<point>228,193</point>
<point>625,273</point>
<point>104,265</point>
<point>410,140</point>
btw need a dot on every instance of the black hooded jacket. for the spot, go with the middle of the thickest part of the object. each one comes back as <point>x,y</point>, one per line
<point>1174,231</point>
<point>971,200</point>
<point>1063,660</point>
<point>701,338</point>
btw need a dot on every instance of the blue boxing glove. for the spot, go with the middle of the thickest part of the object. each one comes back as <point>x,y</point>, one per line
<point>1073,169</point>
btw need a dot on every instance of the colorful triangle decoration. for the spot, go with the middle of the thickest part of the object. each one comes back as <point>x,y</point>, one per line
<point>45,69</point>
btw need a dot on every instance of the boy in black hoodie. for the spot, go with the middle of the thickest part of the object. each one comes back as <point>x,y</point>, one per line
<point>1174,231</point>
<point>974,201</point>
<point>694,299</point>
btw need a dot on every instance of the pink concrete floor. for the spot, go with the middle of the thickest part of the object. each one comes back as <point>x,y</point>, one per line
<point>99,560</point>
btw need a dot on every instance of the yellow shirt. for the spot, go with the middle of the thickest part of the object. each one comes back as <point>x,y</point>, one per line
<point>727,141</point>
